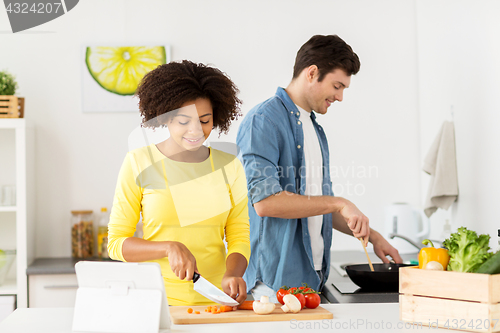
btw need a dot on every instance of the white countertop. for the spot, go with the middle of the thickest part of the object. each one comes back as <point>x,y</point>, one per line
<point>364,317</point>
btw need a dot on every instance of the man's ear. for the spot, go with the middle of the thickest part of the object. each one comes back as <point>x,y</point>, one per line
<point>311,72</point>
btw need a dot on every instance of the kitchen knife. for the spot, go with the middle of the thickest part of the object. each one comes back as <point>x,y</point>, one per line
<point>211,292</point>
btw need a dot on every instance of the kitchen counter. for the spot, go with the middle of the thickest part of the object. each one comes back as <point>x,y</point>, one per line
<point>356,257</point>
<point>54,265</point>
<point>373,317</point>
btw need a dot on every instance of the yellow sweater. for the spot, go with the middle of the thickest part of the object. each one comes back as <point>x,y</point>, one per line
<point>197,204</point>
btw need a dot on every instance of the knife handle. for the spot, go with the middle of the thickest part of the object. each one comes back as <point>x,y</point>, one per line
<point>196,276</point>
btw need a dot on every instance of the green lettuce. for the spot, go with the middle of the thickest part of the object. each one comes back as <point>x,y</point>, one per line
<point>467,250</point>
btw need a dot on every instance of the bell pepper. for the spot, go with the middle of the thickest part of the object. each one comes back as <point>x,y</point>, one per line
<point>432,254</point>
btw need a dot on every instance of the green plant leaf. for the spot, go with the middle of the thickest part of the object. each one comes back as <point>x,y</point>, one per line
<point>8,84</point>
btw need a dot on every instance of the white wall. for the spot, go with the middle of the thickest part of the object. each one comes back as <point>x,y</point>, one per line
<point>459,65</point>
<point>375,129</point>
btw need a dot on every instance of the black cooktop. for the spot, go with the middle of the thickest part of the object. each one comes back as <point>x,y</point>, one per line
<point>349,287</point>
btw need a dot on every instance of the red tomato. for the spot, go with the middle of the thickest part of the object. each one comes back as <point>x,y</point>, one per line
<point>305,288</point>
<point>280,293</point>
<point>312,300</point>
<point>301,299</point>
<point>292,290</point>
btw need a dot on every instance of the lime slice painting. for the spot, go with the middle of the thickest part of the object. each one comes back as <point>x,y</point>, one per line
<point>120,69</point>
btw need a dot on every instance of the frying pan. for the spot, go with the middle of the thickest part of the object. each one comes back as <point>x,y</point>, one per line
<point>385,277</point>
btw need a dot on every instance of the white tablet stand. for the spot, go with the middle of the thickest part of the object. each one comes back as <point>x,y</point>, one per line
<point>120,297</point>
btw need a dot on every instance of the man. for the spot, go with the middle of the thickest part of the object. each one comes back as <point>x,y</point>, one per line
<point>286,159</point>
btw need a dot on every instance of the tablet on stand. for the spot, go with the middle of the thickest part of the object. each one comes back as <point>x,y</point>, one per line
<point>119,297</point>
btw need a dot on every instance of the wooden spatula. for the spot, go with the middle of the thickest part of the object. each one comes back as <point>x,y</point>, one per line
<point>366,252</point>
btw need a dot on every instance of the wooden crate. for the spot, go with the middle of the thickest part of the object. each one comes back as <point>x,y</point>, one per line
<point>11,107</point>
<point>454,300</point>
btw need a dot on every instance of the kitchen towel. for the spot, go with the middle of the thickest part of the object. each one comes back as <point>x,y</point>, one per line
<point>441,164</point>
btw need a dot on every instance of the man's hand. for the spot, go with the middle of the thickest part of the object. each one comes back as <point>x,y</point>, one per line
<point>382,248</point>
<point>182,262</point>
<point>357,222</point>
<point>235,287</point>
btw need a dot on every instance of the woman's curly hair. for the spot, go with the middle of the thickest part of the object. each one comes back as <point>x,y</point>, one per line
<point>169,86</point>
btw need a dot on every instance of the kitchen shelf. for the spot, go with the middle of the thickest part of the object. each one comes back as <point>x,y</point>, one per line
<point>12,123</point>
<point>19,149</point>
<point>9,287</point>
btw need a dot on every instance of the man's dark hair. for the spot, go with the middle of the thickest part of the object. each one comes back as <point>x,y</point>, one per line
<point>327,53</point>
<point>169,86</point>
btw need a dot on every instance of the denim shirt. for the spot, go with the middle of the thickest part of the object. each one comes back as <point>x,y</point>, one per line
<point>271,141</point>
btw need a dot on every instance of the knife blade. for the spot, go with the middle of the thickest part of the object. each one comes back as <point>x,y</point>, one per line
<point>207,289</point>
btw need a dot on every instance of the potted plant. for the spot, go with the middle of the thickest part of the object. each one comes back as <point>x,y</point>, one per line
<point>10,106</point>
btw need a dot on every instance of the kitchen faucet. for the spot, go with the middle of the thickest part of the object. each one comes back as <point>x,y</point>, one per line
<point>418,246</point>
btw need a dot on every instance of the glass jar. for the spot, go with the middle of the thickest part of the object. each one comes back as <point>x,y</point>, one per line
<point>82,234</point>
<point>102,234</point>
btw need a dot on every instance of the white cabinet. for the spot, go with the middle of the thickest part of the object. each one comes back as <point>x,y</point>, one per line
<point>7,306</point>
<point>17,226</point>
<point>52,290</point>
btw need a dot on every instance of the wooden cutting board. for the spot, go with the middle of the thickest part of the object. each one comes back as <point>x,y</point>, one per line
<point>180,315</point>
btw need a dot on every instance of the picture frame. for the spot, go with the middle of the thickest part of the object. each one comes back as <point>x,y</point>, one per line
<point>110,74</point>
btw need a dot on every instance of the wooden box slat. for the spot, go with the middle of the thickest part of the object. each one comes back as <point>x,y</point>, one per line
<point>11,107</point>
<point>456,285</point>
<point>449,313</point>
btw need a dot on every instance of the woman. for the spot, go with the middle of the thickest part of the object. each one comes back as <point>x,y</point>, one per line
<point>191,197</point>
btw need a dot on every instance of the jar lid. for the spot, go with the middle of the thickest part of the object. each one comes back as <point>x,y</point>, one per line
<point>81,212</point>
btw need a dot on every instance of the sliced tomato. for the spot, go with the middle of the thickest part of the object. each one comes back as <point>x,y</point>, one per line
<point>312,300</point>
<point>280,293</point>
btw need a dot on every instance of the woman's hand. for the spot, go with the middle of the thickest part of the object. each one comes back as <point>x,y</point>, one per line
<point>182,262</point>
<point>235,287</point>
